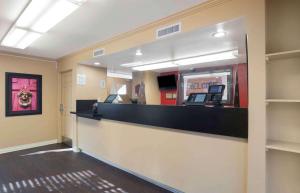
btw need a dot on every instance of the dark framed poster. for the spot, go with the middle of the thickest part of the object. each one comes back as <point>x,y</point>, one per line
<point>23,94</point>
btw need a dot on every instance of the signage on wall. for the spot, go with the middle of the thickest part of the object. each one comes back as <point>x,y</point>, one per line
<point>200,83</point>
<point>81,79</point>
<point>102,84</point>
<point>23,94</point>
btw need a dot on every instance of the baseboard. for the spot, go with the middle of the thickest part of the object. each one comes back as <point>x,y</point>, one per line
<point>166,187</point>
<point>27,146</point>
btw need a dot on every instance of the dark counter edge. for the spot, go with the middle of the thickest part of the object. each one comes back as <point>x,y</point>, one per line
<point>231,122</point>
<point>88,115</point>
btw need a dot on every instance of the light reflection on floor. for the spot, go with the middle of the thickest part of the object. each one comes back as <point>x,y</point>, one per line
<point>85,179</point>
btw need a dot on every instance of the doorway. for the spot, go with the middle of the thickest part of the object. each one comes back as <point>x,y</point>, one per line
<point>65,107</point>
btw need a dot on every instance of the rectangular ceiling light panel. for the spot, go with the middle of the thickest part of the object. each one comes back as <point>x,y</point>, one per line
<point>32,13</point>
<point>56,13</point>
<point>38,17</point>
<point>29,38</point>
<point>188,61</point>
<point>19,38</point>
<point>155,66</point>
<point>119,74</point>
<point>208,58</point>
<point>13,37</point>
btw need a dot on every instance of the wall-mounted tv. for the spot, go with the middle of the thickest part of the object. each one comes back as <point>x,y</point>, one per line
<point>167,82</point>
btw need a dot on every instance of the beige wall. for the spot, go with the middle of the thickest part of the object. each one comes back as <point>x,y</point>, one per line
<point>209,13</point>
<point>92,89</point>
<point>190,162</point>
<point>116,83</point>
<point>152,92</point>
<point>23,130</point>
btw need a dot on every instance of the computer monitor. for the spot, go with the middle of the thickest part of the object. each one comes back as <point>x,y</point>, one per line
<point>196,99</point>
<point>216,89</point>
<point>215,94</point>
<point>111,98</point>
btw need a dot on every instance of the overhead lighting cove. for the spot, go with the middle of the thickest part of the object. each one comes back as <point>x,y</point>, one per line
<point>38,17</point>
<point>227,55</point>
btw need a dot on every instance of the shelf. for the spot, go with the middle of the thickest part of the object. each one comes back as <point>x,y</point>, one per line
<point>283,100</point>
<point>283,146</point>
<point>281,55</point>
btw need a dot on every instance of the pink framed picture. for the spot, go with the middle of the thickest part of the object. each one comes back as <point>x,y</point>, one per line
<point>23,94</point>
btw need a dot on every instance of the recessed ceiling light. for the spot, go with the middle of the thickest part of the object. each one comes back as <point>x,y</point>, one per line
<point>97,63</point>
<point>219,34</point>
<point>138,52</point>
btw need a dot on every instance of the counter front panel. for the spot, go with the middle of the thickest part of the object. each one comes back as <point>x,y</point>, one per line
<point>221,121</point>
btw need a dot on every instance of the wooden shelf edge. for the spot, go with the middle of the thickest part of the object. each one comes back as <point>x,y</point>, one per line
<point>283,146</point>
<point>283,100</point>
<point>278,55</point>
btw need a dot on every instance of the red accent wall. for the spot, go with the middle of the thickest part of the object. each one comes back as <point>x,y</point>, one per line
<point>242,73</point>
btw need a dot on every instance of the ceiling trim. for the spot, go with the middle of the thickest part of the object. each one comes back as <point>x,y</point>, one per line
<point>190,11</point>
<point>30,57</point>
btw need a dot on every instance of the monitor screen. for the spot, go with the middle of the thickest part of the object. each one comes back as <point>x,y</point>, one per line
<point>200,98</point>
<point>216,89</point>
<point>196,99</point>
<point>167,82</point>
<point>111,98</point>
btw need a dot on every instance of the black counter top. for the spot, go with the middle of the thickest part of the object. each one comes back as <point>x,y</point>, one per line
<point>212,120</point>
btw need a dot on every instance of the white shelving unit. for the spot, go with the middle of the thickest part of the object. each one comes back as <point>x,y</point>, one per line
<point>283,146</point>
<point>283,96</point>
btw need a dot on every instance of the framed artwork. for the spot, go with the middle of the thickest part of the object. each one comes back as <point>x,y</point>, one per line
<point>23,94</point>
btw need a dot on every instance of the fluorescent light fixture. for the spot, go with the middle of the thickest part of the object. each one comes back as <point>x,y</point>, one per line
<point>38,18</point>
<point>29,38</point>
<point>216,74</point>
<point>119,74</point>
<point>97,63</point>
<point>186,61</point>
<point>133,64</point>
<point>219,34</point>
<point>155,66</point>
<point>20,38</point>
<point>60,10</point>
<point>138,52</point>
<point>32,12</point>
<point>13,37</point>
<point>208,58</point>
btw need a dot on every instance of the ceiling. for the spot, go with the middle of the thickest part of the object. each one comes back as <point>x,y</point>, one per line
<point>183,45</point>
<point>93,22</point>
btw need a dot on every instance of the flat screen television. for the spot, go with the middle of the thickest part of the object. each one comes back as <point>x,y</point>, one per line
<point>167,82</point>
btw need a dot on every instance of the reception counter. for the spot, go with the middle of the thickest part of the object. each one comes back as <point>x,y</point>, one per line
<point>181,148</point>
<point>213,120</point>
